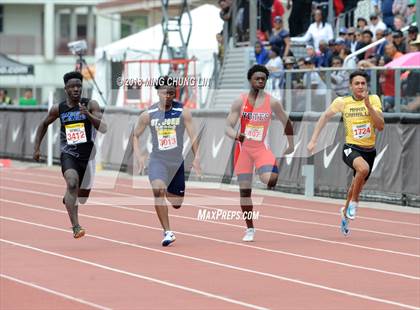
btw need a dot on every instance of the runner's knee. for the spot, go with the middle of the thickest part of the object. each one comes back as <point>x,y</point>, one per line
<point>245,192</point>
<point>159,192</point>
<point>72,184</point>
<point>363,170</point>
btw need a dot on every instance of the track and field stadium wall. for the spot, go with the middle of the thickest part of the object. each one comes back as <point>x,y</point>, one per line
<point>395,178</point>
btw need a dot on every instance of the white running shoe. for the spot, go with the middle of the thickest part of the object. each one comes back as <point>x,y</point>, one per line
<point>249,235</point>
<point>351,210</point>
<point>169,237</point>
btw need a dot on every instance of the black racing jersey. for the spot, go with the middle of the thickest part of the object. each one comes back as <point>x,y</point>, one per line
<point>77,133</point>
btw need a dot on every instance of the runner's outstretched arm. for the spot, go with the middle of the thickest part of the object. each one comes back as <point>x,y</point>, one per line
<point>278,110</point>
<point>42,129</point>
<point>189,126</point>
<point>142,123</point>
<point>323,120</point>
<point>233,118</point>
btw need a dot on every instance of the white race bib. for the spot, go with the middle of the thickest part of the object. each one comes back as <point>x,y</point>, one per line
<point>75,133</point>
<point>362,131</point>
<point>167,139</point>
<point>253,132</point>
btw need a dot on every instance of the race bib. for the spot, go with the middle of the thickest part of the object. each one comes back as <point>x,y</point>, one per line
<point>253,132</point>
<point>167,139</point>
<point>362,131</point>
<point>75,133</point>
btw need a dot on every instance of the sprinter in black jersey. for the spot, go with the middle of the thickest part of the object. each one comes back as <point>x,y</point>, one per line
<point>80,118</point>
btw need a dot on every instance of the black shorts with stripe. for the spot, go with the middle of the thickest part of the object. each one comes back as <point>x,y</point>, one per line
<point>351,152</point>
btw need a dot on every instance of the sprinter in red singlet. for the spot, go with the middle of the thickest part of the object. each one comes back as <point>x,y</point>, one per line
<point>255,111</point>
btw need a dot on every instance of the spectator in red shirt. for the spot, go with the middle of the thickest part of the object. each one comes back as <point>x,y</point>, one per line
<point>388,79</point>
<point>277,10</point>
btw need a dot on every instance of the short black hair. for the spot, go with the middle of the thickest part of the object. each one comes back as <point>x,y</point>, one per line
<point>165,80</point>
<point>275,49</point>
<point>72,75</point>
<point>359,73</point>
<point>257,68</point>
<point>367,31</point>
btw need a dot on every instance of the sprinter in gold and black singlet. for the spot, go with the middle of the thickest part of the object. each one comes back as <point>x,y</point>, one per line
<point>79,118</point>
<point>362,116</point>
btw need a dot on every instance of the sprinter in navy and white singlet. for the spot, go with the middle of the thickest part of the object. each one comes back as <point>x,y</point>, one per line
<point>167,120</point>
<point>79,118</point>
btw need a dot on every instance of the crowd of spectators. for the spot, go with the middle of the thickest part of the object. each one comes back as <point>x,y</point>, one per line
<point>307,25</point>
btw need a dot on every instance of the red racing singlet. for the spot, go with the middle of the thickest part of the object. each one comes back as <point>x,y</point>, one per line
<point>255,120</point>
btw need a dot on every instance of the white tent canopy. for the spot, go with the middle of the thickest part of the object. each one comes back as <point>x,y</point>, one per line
<point>146,44</point>
<point>206,23</point>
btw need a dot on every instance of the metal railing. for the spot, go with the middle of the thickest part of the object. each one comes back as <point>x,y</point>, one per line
<point>304,97</point>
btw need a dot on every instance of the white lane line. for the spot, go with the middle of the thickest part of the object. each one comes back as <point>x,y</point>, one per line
<point>211,208</point>
<point>266,204</point>
<point>42,288</point>
<point>402,275</point>
<point>233,225</point>
<point>296,281</point>
<point>135,275</point>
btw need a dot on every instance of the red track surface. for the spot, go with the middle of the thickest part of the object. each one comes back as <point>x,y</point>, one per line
<point>298,261</point>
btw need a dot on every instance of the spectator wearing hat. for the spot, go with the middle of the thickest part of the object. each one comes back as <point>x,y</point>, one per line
<point>290,64</point>
<point>362,24</point>
<point>342,33</point>
<point>411,12</point>
<point>326,54</point>
<point>376,24</point>
<point>317,31</point>
<point>280,37</point>
<point>415,45</point>
<point>398,40</point>
<point>261,54</point>
<point>399,22</point>
<point>413,31</point>
<point>339,45</point>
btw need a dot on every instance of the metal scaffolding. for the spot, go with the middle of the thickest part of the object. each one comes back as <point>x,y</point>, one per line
<point>171,25</point>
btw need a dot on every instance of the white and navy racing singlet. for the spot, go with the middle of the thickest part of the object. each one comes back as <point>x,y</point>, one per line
<point>77,133</point>
<point>167,130</point>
